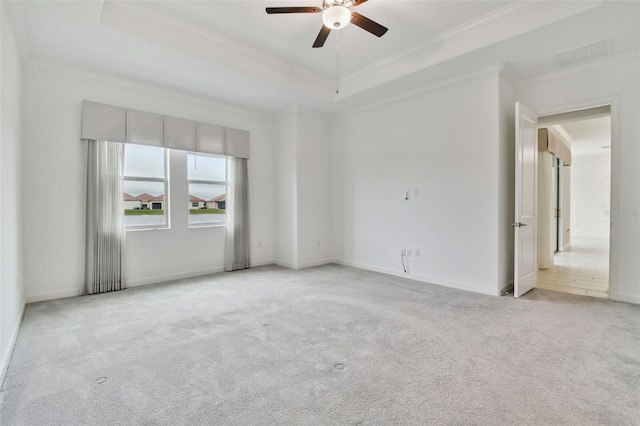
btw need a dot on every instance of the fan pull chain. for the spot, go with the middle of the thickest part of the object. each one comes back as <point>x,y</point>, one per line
<point>337,62</point>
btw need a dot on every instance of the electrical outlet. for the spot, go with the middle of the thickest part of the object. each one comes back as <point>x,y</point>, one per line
<point>417,252</point>
<point>416,192</point>
<point>408,252</point>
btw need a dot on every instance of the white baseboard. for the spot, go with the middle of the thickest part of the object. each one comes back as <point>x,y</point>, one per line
<point>257,263</point>
<point>309,264</point>
<point>6,357</point>
<point>286,264</point>
<point>422,278</point>
<point>172,277</point>
<point>61,294</point>
<point>313,263</point>
<point>137,283</point>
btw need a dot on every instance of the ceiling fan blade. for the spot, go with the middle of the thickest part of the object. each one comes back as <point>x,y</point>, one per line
<point>301,9</point>
<point>322,36</point>
<point>368,25</point>
<point>358,2</point>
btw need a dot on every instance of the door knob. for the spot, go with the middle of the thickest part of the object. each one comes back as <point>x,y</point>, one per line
<point>518,224</point>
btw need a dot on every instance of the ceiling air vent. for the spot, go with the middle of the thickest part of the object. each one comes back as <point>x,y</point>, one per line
<point>581,54</point>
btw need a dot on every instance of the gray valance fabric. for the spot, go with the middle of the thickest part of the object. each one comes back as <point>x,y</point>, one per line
<point>548,141</point>
<point>116,124</point>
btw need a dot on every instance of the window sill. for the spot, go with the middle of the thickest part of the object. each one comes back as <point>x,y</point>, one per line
<point>154,228</point>
<point>207,225</point>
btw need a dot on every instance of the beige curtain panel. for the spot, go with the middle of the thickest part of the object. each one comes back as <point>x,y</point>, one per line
<point>548,141</point>
<point>545,210</point>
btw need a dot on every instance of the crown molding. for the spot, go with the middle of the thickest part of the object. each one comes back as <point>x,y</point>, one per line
<point>16,19</point>
<point>502,24</point>
<point>134,18</point>
<point>465,29</point>
<point>433,86</point>
<point>509,74</point>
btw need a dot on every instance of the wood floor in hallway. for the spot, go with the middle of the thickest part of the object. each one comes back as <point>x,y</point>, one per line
<point>582,269</point>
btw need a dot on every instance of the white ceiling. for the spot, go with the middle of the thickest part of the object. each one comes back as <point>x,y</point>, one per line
<point>232,51</point>
<point>589,136</point>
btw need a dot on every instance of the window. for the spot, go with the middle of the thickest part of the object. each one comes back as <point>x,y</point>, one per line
<point>145,187</point>
<point>207,189</point>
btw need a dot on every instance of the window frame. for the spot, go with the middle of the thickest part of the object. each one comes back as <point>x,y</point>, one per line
<point>208,182</point>
<point>165,181</point>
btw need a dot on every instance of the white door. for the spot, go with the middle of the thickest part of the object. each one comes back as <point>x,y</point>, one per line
<point>526,220</point>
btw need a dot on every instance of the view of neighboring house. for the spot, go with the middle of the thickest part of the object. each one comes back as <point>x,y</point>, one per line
<point>157,203</point>
<point>218,203</point>
<point>196,202</point>
<point>131,202</point>
<point>143,201</point>
<point>146,201</point>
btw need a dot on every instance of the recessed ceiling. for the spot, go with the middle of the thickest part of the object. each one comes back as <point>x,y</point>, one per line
<point>233,52</point>
<point>290,36</point>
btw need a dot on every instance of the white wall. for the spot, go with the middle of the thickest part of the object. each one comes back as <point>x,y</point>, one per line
<point>313,155</point>
<point>286,201</point>
<point>445,143</point>
<point>54,168</point>
<point>618,80</point>
<point>11,284</point>
<point>302,157</point>
<point>590,195</point>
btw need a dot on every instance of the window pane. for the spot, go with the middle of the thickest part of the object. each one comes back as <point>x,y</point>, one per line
<point>202,167</point>
<point>207,203</point>
<point>144,203</point>
<point>143,161</point>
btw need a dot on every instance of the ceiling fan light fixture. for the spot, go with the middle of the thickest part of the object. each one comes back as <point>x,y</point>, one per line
<point>336,17</point>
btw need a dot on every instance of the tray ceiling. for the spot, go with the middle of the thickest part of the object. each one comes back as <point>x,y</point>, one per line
<point>234,52</point>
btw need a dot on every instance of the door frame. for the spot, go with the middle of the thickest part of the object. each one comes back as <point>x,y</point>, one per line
<point>614,201</point>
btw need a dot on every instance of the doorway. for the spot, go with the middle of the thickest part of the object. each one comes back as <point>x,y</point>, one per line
<point>580,214</point>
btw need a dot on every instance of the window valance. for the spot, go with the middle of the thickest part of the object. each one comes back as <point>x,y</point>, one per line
<point>116,124</point>
<point>549,141</point>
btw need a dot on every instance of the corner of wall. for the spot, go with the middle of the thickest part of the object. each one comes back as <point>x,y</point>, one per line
<point>12,294</point>
<point>6,356</point>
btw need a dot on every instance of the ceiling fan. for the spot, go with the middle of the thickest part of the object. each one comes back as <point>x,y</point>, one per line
<point>336,14</point>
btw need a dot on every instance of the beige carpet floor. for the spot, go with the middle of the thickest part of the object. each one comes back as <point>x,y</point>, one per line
<point>330,345</point>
